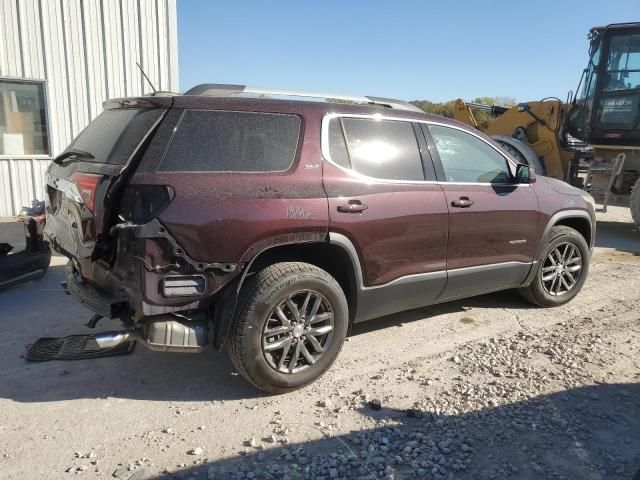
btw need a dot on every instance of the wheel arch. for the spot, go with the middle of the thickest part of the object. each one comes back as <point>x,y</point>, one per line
<point>333,257</point>
<point>579,220</point>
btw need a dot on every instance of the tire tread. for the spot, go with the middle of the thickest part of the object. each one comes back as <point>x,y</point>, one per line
<point>634,202</point>
<point>531,293</point>
<point>256,286</point>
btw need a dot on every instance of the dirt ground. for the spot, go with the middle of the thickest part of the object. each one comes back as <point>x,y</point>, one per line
<point>485,388</point>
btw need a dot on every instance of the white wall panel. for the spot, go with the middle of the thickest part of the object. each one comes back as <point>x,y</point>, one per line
<point>86,52</point>
<point>30,29</point>
<point>6,197</point>
<point>114,48</point>
<point>58,92</point>
<point>73,33</point>
<point>131,38</point>
<point>10,45</point>
<point>94,56</point>
<point>172,45</point>
<point>20,180</point>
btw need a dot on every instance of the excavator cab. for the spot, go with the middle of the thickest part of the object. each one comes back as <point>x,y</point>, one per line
<point>606,110</point>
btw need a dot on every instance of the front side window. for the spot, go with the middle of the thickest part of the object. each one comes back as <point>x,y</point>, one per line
<point>468,159</point>
<point>23,119</point>
<point>384,149</point>
<point>219,141</point>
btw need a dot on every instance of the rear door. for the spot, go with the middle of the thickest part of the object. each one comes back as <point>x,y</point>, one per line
<point>384,200</point>
<point>493,221</point>
<point>78,180</point>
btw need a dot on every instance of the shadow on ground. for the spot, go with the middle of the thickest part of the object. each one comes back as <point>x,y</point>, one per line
<point>40,309</point>
<point>621,236</point>
<point>583,433</point>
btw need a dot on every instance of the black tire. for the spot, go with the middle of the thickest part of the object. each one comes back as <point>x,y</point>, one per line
<point>259,296</point>
<point>634,202</point>
<point>537,293</point>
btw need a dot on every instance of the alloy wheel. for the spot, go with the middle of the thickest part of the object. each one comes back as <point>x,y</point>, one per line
<point>561,269</point>
<point>298,331</point>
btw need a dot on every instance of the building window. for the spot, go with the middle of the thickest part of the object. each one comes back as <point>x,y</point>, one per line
<point>23,119</point>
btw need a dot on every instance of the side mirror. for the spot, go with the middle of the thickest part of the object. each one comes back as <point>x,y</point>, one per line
<point>525,174</point>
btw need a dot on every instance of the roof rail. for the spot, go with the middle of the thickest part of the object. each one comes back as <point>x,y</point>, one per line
<point>228,90</point>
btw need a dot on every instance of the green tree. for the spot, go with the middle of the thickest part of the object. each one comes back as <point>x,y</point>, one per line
<point>445,109</point>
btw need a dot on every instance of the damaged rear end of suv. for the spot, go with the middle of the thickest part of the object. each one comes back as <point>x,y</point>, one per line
<point>123,262</point>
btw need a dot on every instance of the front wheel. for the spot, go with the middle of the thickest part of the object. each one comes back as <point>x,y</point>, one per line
<point>562,269</point>
<point>634,202</point>
<point>290,324</point>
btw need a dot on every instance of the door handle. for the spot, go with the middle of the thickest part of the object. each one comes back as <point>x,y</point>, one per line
<point>462,202</point>
<point>353,206</point>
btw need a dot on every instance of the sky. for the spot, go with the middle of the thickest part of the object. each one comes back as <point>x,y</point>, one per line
<point>410,50</point>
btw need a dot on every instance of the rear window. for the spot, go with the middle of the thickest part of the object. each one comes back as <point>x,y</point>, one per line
<point>215,141</point>
<point>114,135</point>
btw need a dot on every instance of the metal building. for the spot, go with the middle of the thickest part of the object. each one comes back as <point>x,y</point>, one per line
<point>59,60</point>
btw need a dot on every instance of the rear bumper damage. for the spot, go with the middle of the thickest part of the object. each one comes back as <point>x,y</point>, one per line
<point>107,305</point>
<point>151,275</point>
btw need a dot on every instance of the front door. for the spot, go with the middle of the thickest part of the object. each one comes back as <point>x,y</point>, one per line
<point>384,199</point>
<point>493,221</point>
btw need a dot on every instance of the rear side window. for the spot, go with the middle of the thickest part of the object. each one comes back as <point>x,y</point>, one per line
<point>385,149</point>
<point>337,145</point>
<point>114,134</point>
<point>216,141</point>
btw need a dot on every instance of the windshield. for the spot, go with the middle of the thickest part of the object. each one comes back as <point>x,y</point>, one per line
<point>623,65</point>
<point>114,135</point>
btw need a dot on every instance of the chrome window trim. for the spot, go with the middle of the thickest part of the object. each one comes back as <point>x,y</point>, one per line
<point>324,147</point>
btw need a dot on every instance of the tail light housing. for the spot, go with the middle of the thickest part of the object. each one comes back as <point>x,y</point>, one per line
<point>87,185</point>
<point>141,203</point>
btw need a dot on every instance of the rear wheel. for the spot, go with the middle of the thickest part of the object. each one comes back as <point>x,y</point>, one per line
<point>562,269</point>
<point>634,202</point>
<point>290,325</point>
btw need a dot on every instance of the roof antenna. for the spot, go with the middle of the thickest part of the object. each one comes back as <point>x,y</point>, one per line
<point>147,79</point>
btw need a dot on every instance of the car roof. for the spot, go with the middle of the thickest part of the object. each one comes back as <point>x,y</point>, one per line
<point>305,107</point>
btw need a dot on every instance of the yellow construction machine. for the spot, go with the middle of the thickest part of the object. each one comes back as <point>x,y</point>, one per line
<point>591,140</point>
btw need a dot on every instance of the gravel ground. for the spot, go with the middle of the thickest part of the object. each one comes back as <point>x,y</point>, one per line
<point>485,388</point>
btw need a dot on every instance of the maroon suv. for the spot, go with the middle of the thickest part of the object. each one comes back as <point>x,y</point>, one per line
<point>269,226</point>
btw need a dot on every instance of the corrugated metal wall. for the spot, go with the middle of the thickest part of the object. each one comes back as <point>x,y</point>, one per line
<point>85,51</point>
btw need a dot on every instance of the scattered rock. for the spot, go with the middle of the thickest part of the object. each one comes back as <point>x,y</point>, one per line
<point>252,442</point>
<point>120,472</point>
